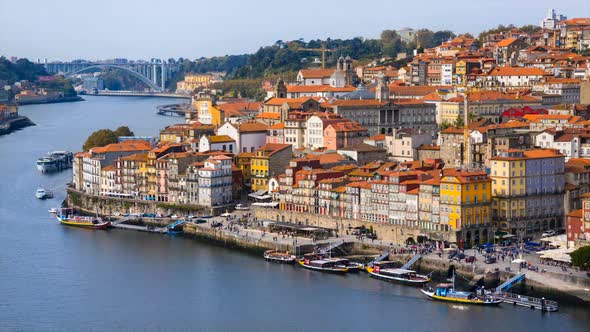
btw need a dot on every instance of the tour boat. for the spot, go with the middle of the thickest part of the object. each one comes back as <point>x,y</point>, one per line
<point>279,257</point>
<point>66,218</point>
<point>325,265</point>
<point>43,194</point>
<point>55,161</point>
<point>352,266</point>
<point>386,270</point>
<point>446,292</point>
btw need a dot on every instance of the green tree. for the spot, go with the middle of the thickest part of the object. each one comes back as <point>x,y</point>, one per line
<point>445,124</point>
<point>425,38</point>
<point>459,122</point>
<point>100,137</point>
<point>123,131</point>
<point>581,257</point>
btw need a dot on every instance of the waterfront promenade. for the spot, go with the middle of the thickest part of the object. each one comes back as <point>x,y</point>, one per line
<point>571,281</point>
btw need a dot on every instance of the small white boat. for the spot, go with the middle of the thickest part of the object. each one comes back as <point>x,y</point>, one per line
<point>53,211</point>
<point>41,193</point>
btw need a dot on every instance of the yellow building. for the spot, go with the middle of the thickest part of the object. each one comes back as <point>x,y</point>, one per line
<point>268,161</point>
<point>528,191</point>
<point>465,199</point>
<point>192,82</point>
<point>205,105</point>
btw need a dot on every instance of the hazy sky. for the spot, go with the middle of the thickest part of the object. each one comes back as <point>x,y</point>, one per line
<point>95,29</point>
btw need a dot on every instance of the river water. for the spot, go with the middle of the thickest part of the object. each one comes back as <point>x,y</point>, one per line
<point>59,278</point>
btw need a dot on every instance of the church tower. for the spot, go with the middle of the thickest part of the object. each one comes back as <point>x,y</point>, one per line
<point>382,91</point>
<point>340,64</point>
<point>280,89</point>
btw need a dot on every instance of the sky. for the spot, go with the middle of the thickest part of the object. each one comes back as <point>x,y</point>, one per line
<point>133,29</point>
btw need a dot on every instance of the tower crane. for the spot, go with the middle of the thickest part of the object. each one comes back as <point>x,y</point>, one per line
<point>323,50</point>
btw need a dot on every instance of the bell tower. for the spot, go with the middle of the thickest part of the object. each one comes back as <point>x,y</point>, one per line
<point>382,91</point>
<point>280,89</point>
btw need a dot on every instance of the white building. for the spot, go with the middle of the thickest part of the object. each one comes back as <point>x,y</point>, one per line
<point>248,136</point>
<point>215,181</point>
<point>217,143</point>
<point>446,72</point>
<point>107,181</point>
<point>568,144</point>
<point>551,20</point>
<point>402,144</point>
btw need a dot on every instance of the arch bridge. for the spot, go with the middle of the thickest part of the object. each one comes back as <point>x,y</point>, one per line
<point>153,74</point>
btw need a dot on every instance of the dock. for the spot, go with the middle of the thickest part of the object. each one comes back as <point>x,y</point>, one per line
<point>160,230</point>
<point>527,301</point>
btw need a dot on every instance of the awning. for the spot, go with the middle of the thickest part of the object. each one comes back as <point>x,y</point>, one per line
<point>518,261</point>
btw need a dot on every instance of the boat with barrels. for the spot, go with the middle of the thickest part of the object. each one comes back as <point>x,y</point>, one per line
<point>279,257</point>
<point>446,292</point>
<point>68,217</point>
<point>332,265</point>
<point>386,270</point>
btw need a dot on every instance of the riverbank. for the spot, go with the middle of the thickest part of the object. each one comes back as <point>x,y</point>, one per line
<point>48,100</point>
<point>13,124</point>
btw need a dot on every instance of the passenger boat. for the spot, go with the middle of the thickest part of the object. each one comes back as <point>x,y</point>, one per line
<point>352,266</point>
<point>279,257</point>
<point>446,292</point>
<point>55,161</point>
<point>325,265</point>
<point>66,217</point>
<point>41,193</point>
<point>386,270</point>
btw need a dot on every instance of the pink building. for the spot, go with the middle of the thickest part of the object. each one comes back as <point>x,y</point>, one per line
<point>341,134</point>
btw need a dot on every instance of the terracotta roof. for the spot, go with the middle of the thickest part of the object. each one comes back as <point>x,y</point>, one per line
<point>272,148</point>
<point>517,71</point>
<point>239,108</point>
<point>269,115</point>
<point>136,157</point>
<point>280,125</point>
<point>506,42</point>
<point>359,102</point>
<point>109,168</point>
<point>252,127</point>
<point>380,137</point>
<point>347,126</point>
<point>397,90</point>
<point>220,139</point>
<point>318,88</point>
<point>280,101</point>
<point>316,73</point>
<point>576,213</point>
<point>132,145</point>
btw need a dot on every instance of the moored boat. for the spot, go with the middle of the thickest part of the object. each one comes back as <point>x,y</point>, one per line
<point>446,292</point>
<point>41,193</point>
<point>325,265</point>
<point>53,211</point>
<point>175,228</point>
<point>351,266</point>
<point>66,217</point>
<point>386,270</point>
<point>279,257</point>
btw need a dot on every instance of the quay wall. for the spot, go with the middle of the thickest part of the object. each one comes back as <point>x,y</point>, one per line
<point>387,232</point>
<point>239,241</point>
<point>109,205</point>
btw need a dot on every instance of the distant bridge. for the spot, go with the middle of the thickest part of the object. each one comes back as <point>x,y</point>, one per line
<point>153,74</point>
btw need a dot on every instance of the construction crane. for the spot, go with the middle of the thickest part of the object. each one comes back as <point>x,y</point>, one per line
<point>323,50</point>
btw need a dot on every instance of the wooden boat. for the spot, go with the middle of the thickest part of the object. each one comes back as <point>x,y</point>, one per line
<point>351,266</point>
<point>66,217</point>
<point>324,265</point>
<point>175,228</point>
<point>279,257</point>
<point>386,270</point>
<point>447,293</point>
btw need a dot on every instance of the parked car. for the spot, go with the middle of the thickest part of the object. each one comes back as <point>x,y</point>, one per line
<point>490,260</point>
<point>200,221</point>
<point>470,259</point>
<point>548,234</point>
<point>174,216</point>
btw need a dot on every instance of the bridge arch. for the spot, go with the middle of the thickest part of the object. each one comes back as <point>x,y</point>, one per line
<point>135,74</point>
